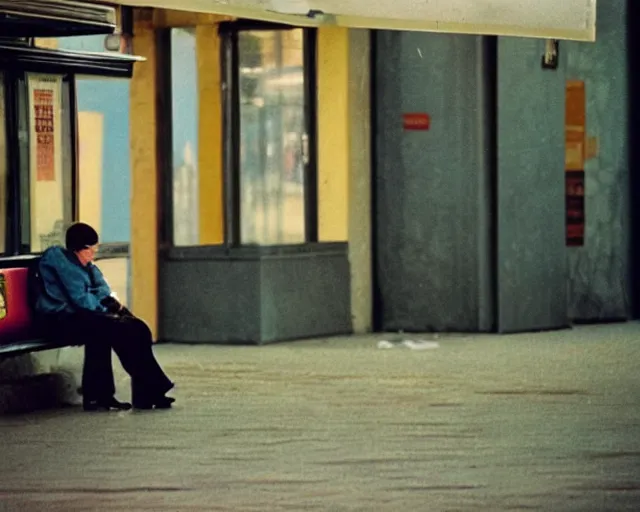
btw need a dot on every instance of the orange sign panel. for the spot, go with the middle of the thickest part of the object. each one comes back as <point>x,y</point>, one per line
<point>575,155</point>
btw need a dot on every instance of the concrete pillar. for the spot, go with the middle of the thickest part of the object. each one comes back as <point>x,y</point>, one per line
<point>344,166</point>
<point>531,252</point>
<point>360,256</point>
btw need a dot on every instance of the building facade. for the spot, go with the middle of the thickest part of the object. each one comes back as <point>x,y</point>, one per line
<point>294,181</point>
<point>352,180</point>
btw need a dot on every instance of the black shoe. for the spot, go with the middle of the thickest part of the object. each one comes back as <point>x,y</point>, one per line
<point>105,405</point>
<point>163,402</point>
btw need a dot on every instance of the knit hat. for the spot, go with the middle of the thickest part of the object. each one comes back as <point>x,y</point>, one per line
<point>80,236</point>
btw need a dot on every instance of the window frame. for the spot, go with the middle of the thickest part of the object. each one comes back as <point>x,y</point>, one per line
<point>229,32</point>
<point>19,157</point>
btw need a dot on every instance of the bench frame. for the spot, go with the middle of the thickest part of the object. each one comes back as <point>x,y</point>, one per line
<point>27,347</point>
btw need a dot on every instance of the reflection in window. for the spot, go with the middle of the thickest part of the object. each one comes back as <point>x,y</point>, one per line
<point>3,169</point>
<point>185,113</point>
<point>272,136</point>
<point>104,157</point>
<point>50,161</point>
<point>104,163</point>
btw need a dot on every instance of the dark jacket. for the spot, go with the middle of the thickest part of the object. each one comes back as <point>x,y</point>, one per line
<point>67,286</point>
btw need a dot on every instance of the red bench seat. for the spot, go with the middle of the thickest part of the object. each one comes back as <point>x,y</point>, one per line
<point>19,332</point>
<point>16,313</point>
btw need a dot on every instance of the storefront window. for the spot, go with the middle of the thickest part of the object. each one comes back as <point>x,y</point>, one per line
<point>104,170</point>
<point>273,136</point>
<point>49,179</point>
<point>185,117</point>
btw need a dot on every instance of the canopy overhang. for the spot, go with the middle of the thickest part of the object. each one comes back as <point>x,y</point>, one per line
<point>548,19</point>
<point>54,18</point>
<point>29,58</point>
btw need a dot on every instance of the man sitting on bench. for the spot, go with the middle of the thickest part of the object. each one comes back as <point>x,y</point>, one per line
<point>76,303</point>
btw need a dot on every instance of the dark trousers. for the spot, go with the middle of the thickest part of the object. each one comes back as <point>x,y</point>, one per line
<point>131,340</point>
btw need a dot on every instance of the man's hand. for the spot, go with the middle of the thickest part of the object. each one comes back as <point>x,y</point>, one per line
<point>113,305</point>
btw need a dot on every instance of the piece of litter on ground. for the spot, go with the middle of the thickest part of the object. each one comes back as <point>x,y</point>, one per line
<point>421,345</point>
<point>385,344</point>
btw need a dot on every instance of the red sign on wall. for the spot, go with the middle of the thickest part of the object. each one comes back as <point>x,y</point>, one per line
<point>416,121</point>
<point>44,125</point>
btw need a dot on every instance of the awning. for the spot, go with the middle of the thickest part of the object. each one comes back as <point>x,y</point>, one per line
<point>551,19</point>
<point>28,58</point>
<point>54,18</point>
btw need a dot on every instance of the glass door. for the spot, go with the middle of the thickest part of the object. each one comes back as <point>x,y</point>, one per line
<point>270,118</point>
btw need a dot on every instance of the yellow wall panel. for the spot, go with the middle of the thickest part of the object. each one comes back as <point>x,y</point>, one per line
<point>91,145</point>
<point>333,133</point>
<point>144,179</point>
<point>210,135</point>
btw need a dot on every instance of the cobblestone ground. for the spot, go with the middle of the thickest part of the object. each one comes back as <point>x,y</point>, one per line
<point>547,422</point>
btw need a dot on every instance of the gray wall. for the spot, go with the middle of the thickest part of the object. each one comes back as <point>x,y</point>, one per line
<point>431,206</point>
<point>599,271</point>
<point>209,298</point>
<point>305,295</point>
<point>470,215</point>
<point>254,295</point>
<point>532,268</point>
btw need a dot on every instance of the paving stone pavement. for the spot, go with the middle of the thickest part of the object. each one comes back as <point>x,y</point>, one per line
<point>547,421</point>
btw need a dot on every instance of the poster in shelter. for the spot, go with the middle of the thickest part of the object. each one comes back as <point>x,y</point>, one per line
<point>43,118</point>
